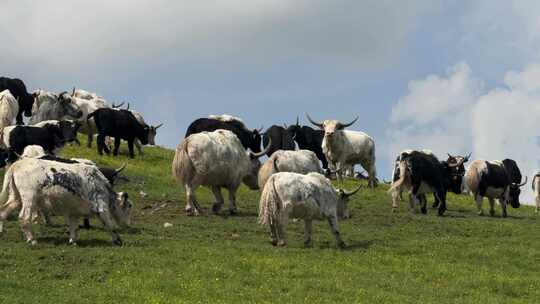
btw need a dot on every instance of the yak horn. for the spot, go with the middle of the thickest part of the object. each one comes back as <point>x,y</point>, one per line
<point>525,182</point>
<point>347,194</point>
<point>318,124</point>
<point>156,127</point>
<point>117,171</point>
<point>297,120</point>
<point>352,122</point>
<point>257,155</point>
<point>73,92</point>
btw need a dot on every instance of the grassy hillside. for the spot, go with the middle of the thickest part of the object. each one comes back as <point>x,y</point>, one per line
<point>391,258</point>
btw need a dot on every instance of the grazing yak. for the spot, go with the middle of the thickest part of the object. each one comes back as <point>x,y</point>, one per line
<point>499,180</point>
<point>344,148</point>
<point>308,197</point>
<point>310,139</point>
<point>18,90</point>
<point>214,159</point>
<point>72,190</point>
<point>111,174</point>
<point>9,108</point>
<point>51,135</point>
<point>301,161</point>
<point>120,124</point>
<point>249,139</point>
<point>454,165</point>
<point>49,106</point>
<point>280,137</point>
<point>422,173</point>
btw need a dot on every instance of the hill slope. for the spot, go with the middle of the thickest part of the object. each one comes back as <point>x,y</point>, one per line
<point>391,258</point>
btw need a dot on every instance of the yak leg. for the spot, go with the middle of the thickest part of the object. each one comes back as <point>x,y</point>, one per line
<point>130,147</point>
<point>219,199</point>
<point>282,224</point>
<point>117,142</point>
<point>412,202</point>
<point>435,202</point>
<point>503,206</point>
<point>537,199</point>
<point>396,195</point>
<point>138,146</point>
<point>478,199</point>
<point>6,210</point>
<point>101,146</point>
<point>492,206</point>
<point>107,221</point>
<point>423,204</point>
<point>441,195</point>
<point>25,220</point>
<point>73,223</point>
<point>90,134</point>
<point>307,232</point>
<point>372,173</point>
<point>332,221</point>
<point>274,233</point>
<point>232,200</point>
<point>192,206</point>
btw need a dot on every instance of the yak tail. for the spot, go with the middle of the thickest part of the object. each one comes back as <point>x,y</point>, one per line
<point>269,206</point>
<point>182,166</point>
<point>8,180</point>
<point>402,175</point>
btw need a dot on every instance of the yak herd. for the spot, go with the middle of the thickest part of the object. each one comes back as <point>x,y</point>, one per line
<point>217,151</point>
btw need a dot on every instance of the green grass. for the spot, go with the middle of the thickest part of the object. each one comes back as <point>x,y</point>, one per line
<point>391,258</point>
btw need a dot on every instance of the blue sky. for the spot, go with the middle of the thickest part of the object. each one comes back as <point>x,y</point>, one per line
<point>454,76</point>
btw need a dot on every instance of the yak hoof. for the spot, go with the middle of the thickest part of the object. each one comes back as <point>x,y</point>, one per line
<point>308,244</point>
<point>216,207</point>
<point>274,242</point>
<point>341,245</point>
<point>233,212</point>
<point>72,242</point>
<point>441,212</point>
<point>492,213</point>
<point>394,209</point>
<point>281,243</point>
<point>424,210</point>
<point>31,242</point>
<point>117,242</point>
<point>505,214</point>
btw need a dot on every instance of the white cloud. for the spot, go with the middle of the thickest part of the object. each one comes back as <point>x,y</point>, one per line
<point>451,114</point>
<point>91,37</point>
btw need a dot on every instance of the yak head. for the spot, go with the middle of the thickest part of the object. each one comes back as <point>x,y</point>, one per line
<point>251,179</point>
<point>122,209</point>
<point>343,202</point>
<point>331,126</point>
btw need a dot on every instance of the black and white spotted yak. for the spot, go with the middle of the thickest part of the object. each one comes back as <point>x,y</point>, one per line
<point>51,135</point>
<point>495,180</point>
<point>420,172</point>
<point>71,190</point>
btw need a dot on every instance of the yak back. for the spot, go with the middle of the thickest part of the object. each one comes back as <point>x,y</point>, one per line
<point>119,123</point>
<point>211,124</point>
<point>425,168</point>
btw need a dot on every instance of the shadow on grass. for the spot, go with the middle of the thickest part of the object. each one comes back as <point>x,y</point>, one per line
<point>358,245</point>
